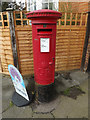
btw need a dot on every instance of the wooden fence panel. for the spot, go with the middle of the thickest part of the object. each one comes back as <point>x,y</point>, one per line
<point>69,48</point>
<point>70,38</point>
<point>5,43</point>
<point>24,47</point>
<point>71,30</point>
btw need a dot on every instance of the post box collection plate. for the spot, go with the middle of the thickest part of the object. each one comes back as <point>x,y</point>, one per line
<point>44,44</point>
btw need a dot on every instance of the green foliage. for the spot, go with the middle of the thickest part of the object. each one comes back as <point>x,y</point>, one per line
<point>11,104</point>
<point>66,92</point>
<point>78,87</point>
<point>17,15</point>
<point>62,22</point>
<point>12,5</point>
<point>73,22</point>
<point>4,6</point>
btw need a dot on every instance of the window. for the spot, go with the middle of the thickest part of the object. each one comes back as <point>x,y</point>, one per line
<point>48,4</point>
<point>44,5</point>
<point>32,5</point>
<point>51,6</point>
<point>45,1</point>
<point>35,6</point>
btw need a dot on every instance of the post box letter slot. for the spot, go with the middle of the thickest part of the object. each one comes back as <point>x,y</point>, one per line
<point>41,31</point>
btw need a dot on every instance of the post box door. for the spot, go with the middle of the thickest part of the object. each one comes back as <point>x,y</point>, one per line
<point>44,55</point>
<point>45,60</point>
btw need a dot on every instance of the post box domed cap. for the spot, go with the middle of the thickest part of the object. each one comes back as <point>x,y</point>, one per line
<point>44,13</point>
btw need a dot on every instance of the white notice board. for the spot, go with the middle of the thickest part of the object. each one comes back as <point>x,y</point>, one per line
<point>44,44</point>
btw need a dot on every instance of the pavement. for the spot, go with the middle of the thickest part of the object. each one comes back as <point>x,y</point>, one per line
<point>61,107</point>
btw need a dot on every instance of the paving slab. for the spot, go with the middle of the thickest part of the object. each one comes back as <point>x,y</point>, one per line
<point>70,108</point>
<point>79,76</point>
<point>6,80</point>
<point>7,93</point>
<point>73,79</point>
<point>81,108</point>
<point>84,86</point>
<point>18,112</point>
<point>46,107</point>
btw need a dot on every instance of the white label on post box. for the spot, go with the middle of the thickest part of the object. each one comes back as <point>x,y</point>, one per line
<point>44,44</point>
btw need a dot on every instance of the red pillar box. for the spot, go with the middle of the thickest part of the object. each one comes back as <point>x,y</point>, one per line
<point>44,43</point>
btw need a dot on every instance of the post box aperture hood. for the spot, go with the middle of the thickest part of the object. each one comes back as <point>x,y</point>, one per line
<point>44,15</point>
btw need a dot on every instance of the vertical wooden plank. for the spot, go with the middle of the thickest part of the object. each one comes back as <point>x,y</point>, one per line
<point>81,19</point>
<point>21,18</point>
<point>2,39</point>
<point>68,51</point>
<point>28,21</point>
<point>70,19</point>
<point>65,19</point>
<point>86,20</point>
<point>59,21</point>
<point>76,20</point>
<point>0,65</point>
<point>14,18</point>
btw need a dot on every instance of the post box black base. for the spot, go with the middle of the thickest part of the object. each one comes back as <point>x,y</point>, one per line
<point>20,101</point>
<point>45,93</point>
